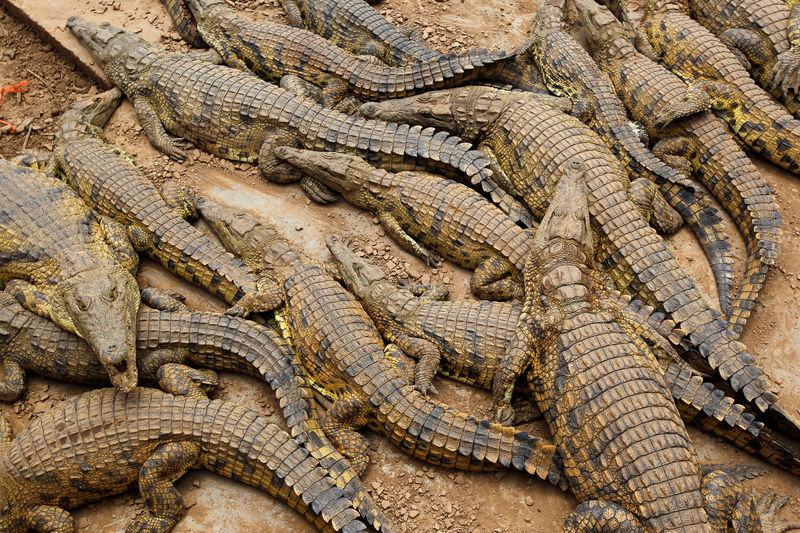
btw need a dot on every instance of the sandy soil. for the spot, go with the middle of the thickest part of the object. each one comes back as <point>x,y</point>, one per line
<point>417,497</point>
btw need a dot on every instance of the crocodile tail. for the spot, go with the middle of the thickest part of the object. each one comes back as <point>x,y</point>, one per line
<point>707,407</point>
<point>201,261</point>
<point>440,435</point>
<point>708,227</point>
<point>400,146</point>
<point>733,179</point>
<point>262,352</point>
<point>288,380</point>
<point>242,445</point>
<point>659,279</point>
<point>184,22</point>
<point>377,82</point>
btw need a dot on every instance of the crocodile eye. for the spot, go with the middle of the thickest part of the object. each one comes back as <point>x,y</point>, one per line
<point>112,295</point>
<point>81,305</point>
<point>426,113</point>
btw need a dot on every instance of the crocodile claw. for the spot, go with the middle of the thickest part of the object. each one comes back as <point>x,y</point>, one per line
<point>786,73</point>
<point>768,508</point>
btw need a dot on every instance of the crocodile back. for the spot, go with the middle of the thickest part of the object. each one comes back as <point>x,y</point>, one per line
<point>95,444</point>
<point>41,219</point>
<point>229,113</point>
<point>357,27</point>
<point>616,425</point>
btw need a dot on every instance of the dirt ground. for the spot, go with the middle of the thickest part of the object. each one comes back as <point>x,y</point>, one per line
<point>416,497</point>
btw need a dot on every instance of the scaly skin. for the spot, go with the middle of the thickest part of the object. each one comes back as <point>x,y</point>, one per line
<point>630,252</point>
<point>106,442</point>
<point>528,141</point>
<point>467,341</point>
<point>428,214</point>
<point>569,71</point>
<point>626,453</point>
<point>344,355</point>
<point>273,51</point>
<point>764,35</point>
<point>108,181</point>
<point>648,90</point>
<point>358,28</point>
<point>61,260</point>
<point>698,56</point>
<point>237,116</point>
<point>177,334</point>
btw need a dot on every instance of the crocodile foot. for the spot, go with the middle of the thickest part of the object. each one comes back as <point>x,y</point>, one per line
<point>786,73</point>
<point>768,508</point>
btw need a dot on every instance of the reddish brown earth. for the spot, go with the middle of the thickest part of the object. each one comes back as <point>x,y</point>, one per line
<point>417,497</point>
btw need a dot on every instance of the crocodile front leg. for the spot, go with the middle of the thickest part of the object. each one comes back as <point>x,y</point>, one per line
<point>30,297</point>
<point>180,199</point>
<point>164,300</point>
<point>427,356</point>
<point>50,519</point>
<point>156,134</point>
<point>392,227</point>
<point>13,383</point>
<point>301,87</point>
<point>116,236</point>
<point>164,504</point>
<point>268,298</point>
<point>514,362</point>
<point>278,171</point>
<point>493,280</point>
<point>340,424</point>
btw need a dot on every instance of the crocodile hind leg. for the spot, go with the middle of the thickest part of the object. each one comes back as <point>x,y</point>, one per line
<point>278,171</point>
<point>340,424</point>
<point>766,510</point>
<point>38,159</point>
<point>293,13</point>
<point>651,205</point>
<point>431,292</point>
<point>13,383</point>
<point>492,280</point>
<point>602,516</point>
<point>513,364</point>
<point>336,95</point>
<point>301,87</point>
<point>150,363</point>
<point>181,380</point>
<point>165,506</point>
<point>184,23</point>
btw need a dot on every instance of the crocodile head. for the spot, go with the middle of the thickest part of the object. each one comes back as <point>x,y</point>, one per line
<point>563,247</point>
<point>358,273</point>
<point>101,305</point>
<point>340,172</point>
<point>111,47</point>
<point>247,237</point>
<point>88,116</point>
<point>599,24</point>
<point>427,109</point>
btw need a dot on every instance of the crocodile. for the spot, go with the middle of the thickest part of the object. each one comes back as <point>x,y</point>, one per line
<point>106,442</point>
<point>63,261</point>
<point>173,333</point>
<point>273,51</point>
<point>110,183</point>
<point>646,89</point>
<point>765,36</point>
<point>237,116</point>
<point>626,452</point>
<point>345,357</point>
<point>427,214</point>
<point>528,141</point>
<point>632,254</point>
<point>698,56</point>
<point>467,340</point>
